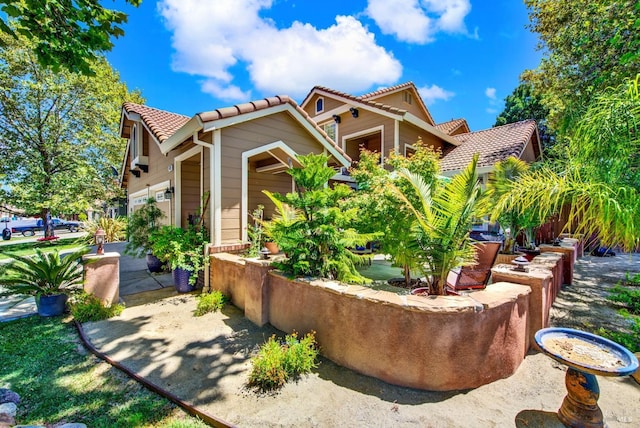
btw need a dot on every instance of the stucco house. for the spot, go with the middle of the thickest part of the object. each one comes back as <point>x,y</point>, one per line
<point>223,159</point>
<point>220,160</point>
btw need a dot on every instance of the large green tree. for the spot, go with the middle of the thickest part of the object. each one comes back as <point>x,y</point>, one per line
<point>588,45</point>
<point>59,136</point>
<point>525,103</point>
<point>598,183</point>
<point>65,33</point>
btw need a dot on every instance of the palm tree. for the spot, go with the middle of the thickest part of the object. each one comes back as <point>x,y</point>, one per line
<point>598,182</point>
<point>442,220</point>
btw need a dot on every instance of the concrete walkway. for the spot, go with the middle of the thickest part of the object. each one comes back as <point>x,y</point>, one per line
<point>137,286</point>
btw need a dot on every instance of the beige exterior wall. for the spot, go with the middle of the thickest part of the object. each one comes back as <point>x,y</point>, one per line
<point>528,155</point>
<point>410,134</point>
<point>366,121</point>
<point>248,136</point>
<point>329,104</point>
<point>396,99</point>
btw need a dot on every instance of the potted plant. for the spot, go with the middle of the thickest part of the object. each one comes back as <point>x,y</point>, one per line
<point>142,223</point>
<point>183,251</point>
<point>47,276</point>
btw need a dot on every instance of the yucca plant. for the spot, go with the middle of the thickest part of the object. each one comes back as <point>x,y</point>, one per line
<point>44,274</point>
<point>114,228</point>
<point>442,219</point>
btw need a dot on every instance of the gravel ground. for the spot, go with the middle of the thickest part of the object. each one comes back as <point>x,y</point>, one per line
<point>206,362</point>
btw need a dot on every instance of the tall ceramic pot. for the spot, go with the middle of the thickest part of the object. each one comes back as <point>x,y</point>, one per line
<point>51,306</point>
<point>181,280</point>
<point>154,264</point>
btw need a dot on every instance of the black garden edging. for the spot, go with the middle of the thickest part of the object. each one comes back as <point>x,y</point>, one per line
<point>189,408</point>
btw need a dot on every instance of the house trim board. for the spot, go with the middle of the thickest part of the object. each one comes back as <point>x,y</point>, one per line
<point>244,199</point>
<point>177,179</point>
<point>364,132</point>
<point>216,188</point>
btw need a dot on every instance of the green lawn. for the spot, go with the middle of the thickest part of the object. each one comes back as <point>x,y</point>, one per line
<point>26,248</point>
<point>42,359</point>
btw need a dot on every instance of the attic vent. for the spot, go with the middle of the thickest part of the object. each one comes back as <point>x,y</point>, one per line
<point>407,97</point>
<point>319,105</point>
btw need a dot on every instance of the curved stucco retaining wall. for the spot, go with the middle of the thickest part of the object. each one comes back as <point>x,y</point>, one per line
<point>434,343</point>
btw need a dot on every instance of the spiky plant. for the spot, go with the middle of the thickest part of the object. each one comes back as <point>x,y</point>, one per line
<point>442,219</point>
<point>43,274</point>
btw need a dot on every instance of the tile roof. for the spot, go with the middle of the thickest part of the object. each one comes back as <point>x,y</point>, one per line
<point>493,145</point>
<point>383,91</point>
<point>238,109</point>
<point>452,125</point>
<point>355,99</point>
<point>161,123</point>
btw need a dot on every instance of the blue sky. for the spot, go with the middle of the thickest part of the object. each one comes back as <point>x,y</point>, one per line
<point>188,56</point>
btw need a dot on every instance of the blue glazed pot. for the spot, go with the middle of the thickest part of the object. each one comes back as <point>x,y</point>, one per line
<point>51,306</point>
<point>154,264</point>
<point>181,280</point>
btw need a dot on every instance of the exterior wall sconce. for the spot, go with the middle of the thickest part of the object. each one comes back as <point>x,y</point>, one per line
<point>354,112</point>
<point>168,194</point>
<point>99,238</point>
<point>336,118</point>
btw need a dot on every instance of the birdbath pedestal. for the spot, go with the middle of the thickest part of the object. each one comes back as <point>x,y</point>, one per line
<point>586,355</point>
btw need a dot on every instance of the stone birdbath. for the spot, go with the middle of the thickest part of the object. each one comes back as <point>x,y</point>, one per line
<point>586,355</point>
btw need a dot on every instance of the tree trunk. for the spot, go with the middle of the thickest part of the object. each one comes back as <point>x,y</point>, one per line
<point>46,222</point>
<point>407,275</point>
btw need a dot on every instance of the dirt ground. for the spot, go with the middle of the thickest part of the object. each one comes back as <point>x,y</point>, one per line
<point>206,362</point>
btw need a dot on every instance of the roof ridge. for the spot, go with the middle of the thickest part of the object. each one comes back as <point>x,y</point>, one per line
<point>264,103</point>
<point>132,104</point>
<point>387,89</point>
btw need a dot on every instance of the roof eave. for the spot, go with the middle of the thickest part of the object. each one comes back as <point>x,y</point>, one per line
<point>430,128</point>
<point>185,132</point>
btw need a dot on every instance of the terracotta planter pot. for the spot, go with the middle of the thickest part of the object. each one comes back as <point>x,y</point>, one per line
<point>505,258</point>
<point>272,247</point>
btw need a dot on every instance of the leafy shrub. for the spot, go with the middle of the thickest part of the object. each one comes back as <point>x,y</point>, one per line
<point>277,362</point>
<point>210,302</point>
<point>632,280</point>
<point>87,307</point>
<point>630,340</point>
<point>114,228</point>
<point>628,297</point>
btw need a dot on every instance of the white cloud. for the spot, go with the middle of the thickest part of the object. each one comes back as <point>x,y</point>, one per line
<point>417,21</point>
<point>212,37</point>
<point>432,93</point>
<point>490,93</point>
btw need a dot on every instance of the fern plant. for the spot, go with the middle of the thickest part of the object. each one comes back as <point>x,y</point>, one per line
<point>311,228</point>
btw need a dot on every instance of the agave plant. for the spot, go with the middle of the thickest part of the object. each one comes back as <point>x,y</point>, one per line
<point>44,274</point>
<point>442,219</point>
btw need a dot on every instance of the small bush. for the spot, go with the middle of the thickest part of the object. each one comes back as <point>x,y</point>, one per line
<point>210,302</point>
<point>114,229</point>
<point>277,362</point>
<point>87,307</point>
<point>631,340</point>
<point>632,280</point>
<point>630,298</point>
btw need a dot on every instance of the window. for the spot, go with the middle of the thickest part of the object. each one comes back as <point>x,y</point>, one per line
<point>330,129</point>
<point>409,150</point>
<point>320,105</point>
<point>407,97</point>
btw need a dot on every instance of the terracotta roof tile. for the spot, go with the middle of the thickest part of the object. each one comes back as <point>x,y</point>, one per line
<point>360,100</point>
<point>452,125</point>
<point>493,145</point>
<point>383,91</point>
<point>161,123</point>
<point>252,106</point>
